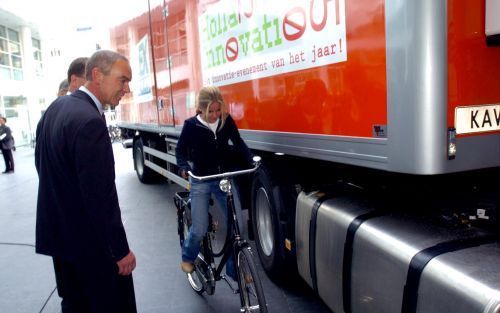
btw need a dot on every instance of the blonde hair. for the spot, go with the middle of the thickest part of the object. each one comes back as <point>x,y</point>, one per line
<point>207,96</point>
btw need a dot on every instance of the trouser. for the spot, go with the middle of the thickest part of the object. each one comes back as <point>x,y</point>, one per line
<point>9,159</point>
<point>93,286</point>
<point>200,194</point>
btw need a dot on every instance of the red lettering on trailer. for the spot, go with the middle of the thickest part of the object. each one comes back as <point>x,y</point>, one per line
<point>321,25</point>
<point>300,28</point>
<point>248,14</point>
<point>232,49</point>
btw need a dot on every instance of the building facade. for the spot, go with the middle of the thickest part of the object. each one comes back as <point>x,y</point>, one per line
<point>22,94</point>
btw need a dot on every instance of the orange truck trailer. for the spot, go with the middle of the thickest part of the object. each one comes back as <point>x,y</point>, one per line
<point>378,122</point>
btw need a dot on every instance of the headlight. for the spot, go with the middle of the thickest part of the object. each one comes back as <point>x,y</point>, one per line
<point>225,185</point>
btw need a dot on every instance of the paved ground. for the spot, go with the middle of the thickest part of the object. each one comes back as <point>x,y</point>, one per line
<point>27,282</point>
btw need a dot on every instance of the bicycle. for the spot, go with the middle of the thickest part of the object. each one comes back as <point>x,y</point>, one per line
<point>206,273</point>
<point>115,133</point>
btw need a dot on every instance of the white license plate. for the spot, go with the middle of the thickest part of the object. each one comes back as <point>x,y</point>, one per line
<point>475,119</point>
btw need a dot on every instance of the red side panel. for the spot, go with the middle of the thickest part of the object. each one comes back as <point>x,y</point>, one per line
<point>342,98</point>
<point>133,40</point>
<point>473,69</point>
<point>301,93</point>
<point>184,57</point>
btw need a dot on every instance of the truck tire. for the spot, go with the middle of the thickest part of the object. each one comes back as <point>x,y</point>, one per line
<point>268,234</point>
<point>144,173</point>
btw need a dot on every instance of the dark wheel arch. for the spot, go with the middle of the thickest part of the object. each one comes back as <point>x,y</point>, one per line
<point>271,222</point>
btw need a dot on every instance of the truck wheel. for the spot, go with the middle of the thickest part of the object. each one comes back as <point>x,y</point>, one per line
<point>265,222</point>
<point>144,173</point>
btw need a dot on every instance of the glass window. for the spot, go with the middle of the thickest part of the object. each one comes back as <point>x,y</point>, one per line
<point>18,74</point>
<point>4,59</point>
<point>11,62</point>
<point>3,45</point>
<point>37,55</point>
<point>15,48</point>
<point>12,102</point>
<point>4,73</point>
<point>10,113</point>
<point>39,70</point>
<point>9,102</point>
<point>36,43</point>
<point>13,35</point>
<point>16,62</point>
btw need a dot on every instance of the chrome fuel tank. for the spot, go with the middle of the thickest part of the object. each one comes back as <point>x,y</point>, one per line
<point>364,260</point>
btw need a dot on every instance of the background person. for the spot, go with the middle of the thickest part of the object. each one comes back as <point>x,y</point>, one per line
<point>76,73</point>
<point>6,145</point>
<point>204,141</point>
<point>63,88</point>
<point>78,219</point>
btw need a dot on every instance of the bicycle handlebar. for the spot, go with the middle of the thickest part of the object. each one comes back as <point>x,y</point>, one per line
<point>256,160</point>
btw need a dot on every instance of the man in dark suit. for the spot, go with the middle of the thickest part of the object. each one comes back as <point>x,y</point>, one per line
<point>6,145</point>
<point>78,219</point>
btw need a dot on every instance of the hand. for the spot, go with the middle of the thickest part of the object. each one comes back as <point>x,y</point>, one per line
<point>127,264</point>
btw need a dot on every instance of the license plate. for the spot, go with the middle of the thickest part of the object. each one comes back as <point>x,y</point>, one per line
<point>475,119</point>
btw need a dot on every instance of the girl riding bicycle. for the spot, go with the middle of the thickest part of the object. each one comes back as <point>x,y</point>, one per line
<point>203,148</point>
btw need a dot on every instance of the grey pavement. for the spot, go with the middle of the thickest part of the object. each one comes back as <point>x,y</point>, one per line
<point>27,281</point>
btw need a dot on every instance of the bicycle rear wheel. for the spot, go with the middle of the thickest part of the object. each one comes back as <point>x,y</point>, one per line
<point>251,292</point>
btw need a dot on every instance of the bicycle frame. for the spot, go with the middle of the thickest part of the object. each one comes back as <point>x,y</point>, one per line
<point>233,240</point>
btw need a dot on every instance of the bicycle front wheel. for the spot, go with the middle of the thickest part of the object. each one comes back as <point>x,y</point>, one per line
<point>251,292</point>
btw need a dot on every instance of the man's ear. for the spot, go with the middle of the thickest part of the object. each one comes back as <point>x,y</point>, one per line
<point>97,75</point>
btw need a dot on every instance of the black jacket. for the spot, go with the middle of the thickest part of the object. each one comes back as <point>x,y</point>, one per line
<point>210,154</point>
<point>7,142</point>
<point>78,214</point>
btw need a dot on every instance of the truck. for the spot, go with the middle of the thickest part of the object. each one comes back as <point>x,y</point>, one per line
<point>378,124</point>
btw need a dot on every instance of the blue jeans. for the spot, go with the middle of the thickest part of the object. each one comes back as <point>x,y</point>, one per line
<point>200,194</point>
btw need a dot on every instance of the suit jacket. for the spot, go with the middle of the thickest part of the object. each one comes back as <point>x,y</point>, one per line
<point>7,142</point>
<point>78,214</point>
